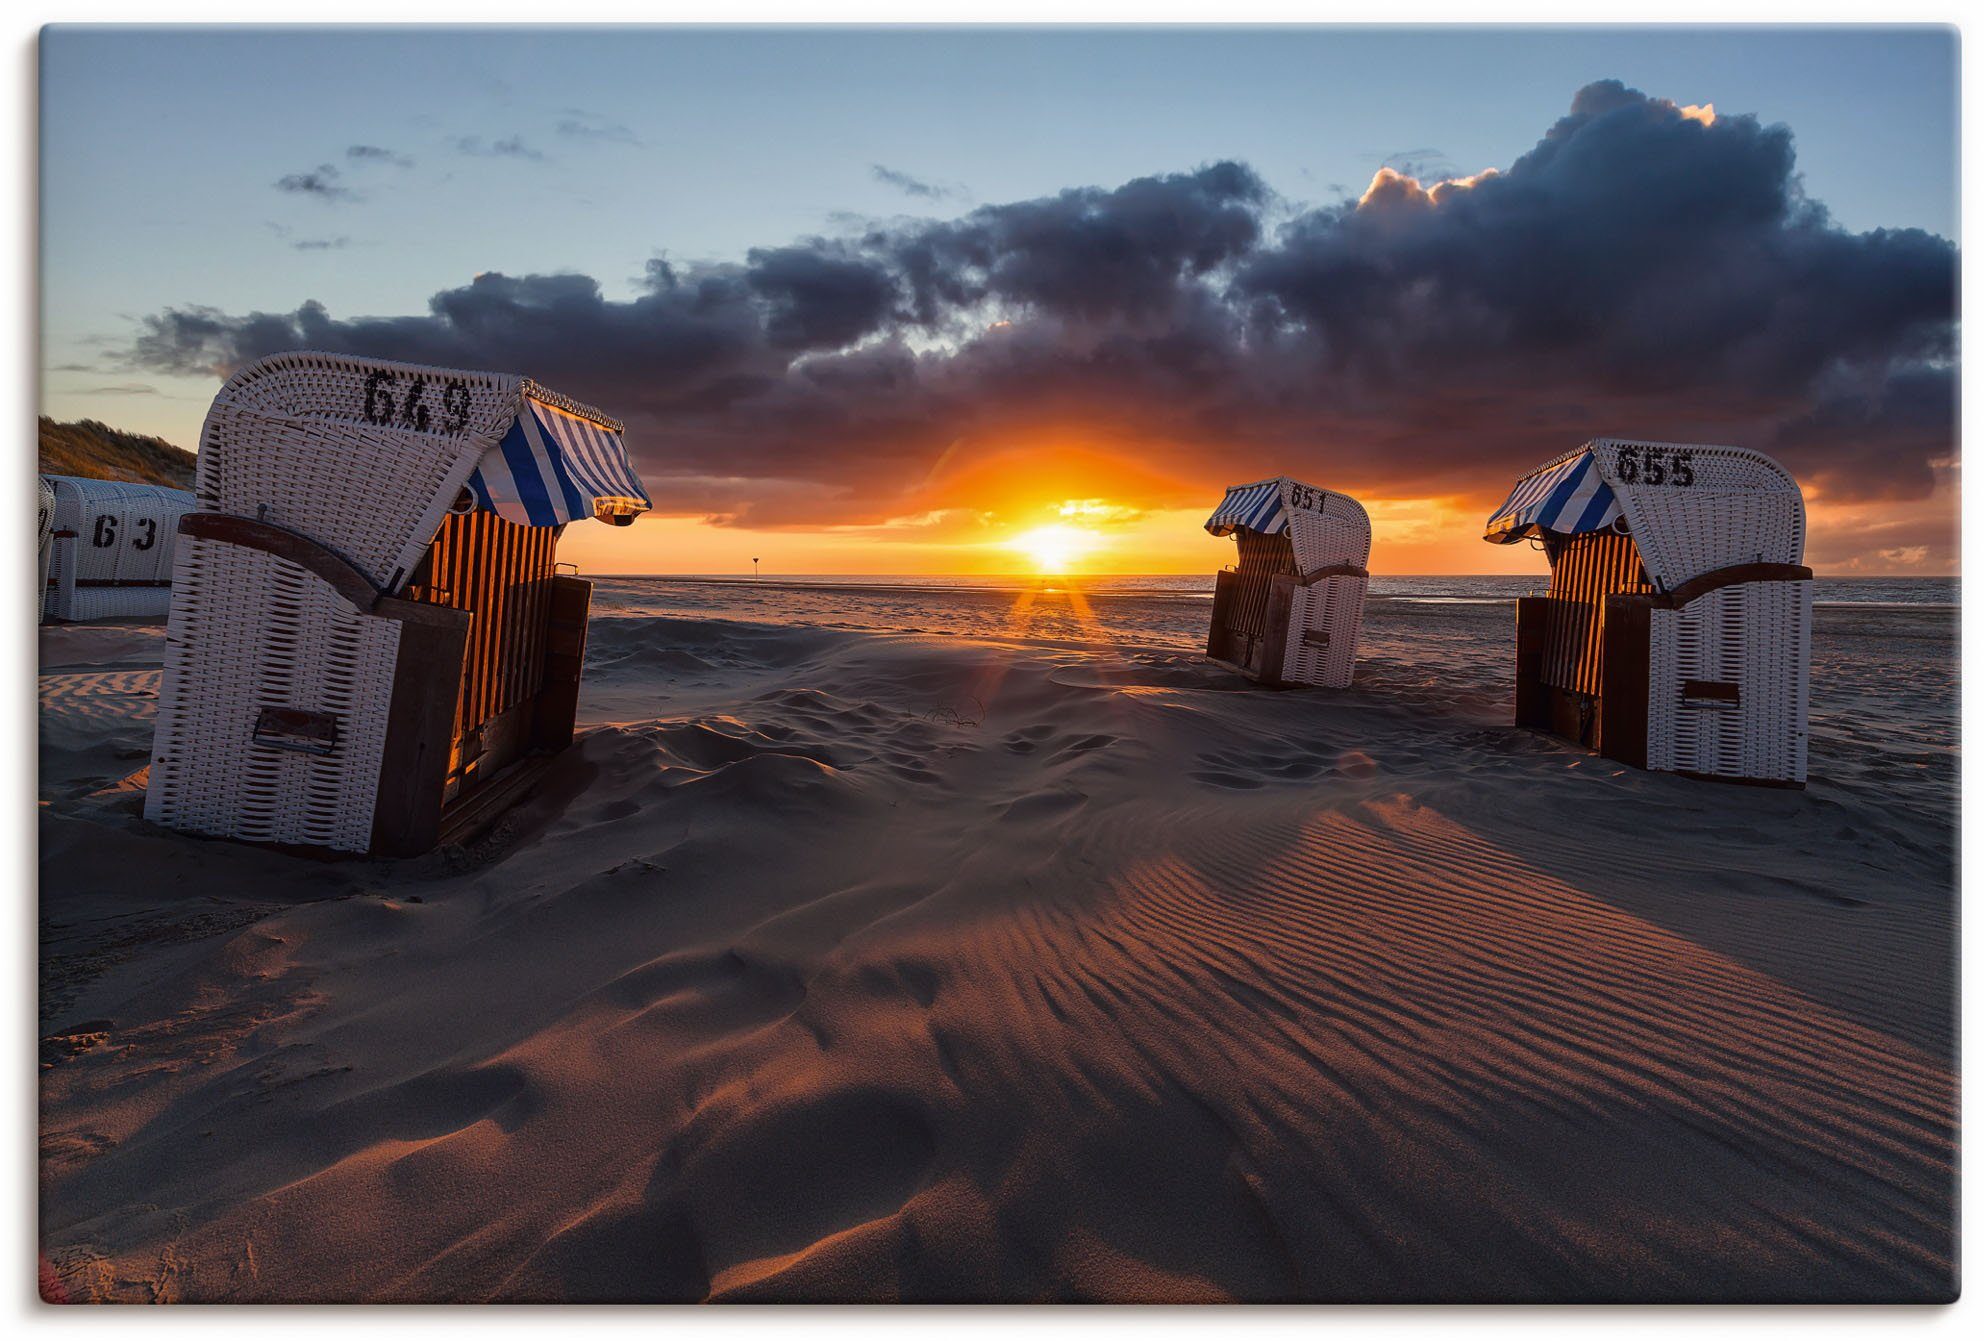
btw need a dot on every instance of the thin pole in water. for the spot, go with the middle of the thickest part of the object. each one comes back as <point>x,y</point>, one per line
<point>754,568</point>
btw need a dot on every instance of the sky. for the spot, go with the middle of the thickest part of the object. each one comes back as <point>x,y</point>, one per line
<point>970,301</point>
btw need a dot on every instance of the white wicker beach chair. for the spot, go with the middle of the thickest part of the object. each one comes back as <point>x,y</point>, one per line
<point>110,548</point>
<point>1291,611</point>
<point>44,534</point>
<point>1677,631</point>
<point>369,640</point>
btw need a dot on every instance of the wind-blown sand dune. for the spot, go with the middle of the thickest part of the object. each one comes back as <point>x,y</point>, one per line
<point>835,964</point>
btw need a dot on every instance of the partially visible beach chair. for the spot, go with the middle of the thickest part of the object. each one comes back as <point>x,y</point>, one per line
<point>45,529</point>
<point>370,649</point>
<point>1291,611</point>
<point>108,549</point>
<point>1677,631</point>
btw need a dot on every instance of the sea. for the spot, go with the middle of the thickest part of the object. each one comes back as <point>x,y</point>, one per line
<point>1159,609</point>
<point>1189,586</point>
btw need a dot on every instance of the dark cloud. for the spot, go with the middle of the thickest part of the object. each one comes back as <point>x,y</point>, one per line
<point>1645,269</point>
<point>1634,255</point>
<point>819,295</point>
<point>321,182</point>
<point>1131,255</point>
<point>1890,435</point>
<point>511,146</point>
<point>372,153</point>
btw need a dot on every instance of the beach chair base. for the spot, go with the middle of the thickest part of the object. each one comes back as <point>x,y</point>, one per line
<point>389,765</point>
<point>82,605</point>
<point>1286,631</point>
<point>473,815</point>
<point>1708,681</point>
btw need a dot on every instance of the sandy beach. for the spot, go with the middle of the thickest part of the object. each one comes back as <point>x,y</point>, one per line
<point>1021,954</point>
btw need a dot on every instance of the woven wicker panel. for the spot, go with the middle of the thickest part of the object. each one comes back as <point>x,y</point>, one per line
<point>1756,636</point>
<point>124,532</point>
<point>250,631</point>
<point>1324,623</point>
<point>1739,507</point>
<point>1339,533</point>
<point>293,440</point>
<point>87,603</point>
<point>61,595</point>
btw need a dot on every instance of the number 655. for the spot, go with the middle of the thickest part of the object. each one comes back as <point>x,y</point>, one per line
<point>1656,465</point>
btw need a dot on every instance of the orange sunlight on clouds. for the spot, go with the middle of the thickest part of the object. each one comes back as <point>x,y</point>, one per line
<point>1086,533</point>
<point>1060,507</point>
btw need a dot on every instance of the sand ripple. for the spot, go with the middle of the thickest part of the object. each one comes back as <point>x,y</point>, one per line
<point>835,965</point>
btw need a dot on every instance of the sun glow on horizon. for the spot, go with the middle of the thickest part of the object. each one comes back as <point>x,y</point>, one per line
<point>1055,549</point>
<point>1078,535</point>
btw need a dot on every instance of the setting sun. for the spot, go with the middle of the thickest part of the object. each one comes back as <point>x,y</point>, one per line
<point>1055,549</point>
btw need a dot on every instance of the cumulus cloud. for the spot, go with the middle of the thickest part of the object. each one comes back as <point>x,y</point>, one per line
<point>1647,268</point>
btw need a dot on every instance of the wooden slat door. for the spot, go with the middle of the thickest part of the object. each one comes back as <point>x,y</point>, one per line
<point>1584,570</point>
<point>502,575</point>
<point>1245,604</point>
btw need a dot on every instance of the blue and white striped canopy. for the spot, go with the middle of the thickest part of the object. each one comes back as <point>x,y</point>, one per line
<point>1254,506</point>
<point>553,467</point>
<point>1568,497</point>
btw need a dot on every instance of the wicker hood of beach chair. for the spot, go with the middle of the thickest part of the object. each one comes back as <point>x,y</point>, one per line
<point>107,549</point>
<point>370,648</point>
<point>1291,610</point>
<point>1677,632</point>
